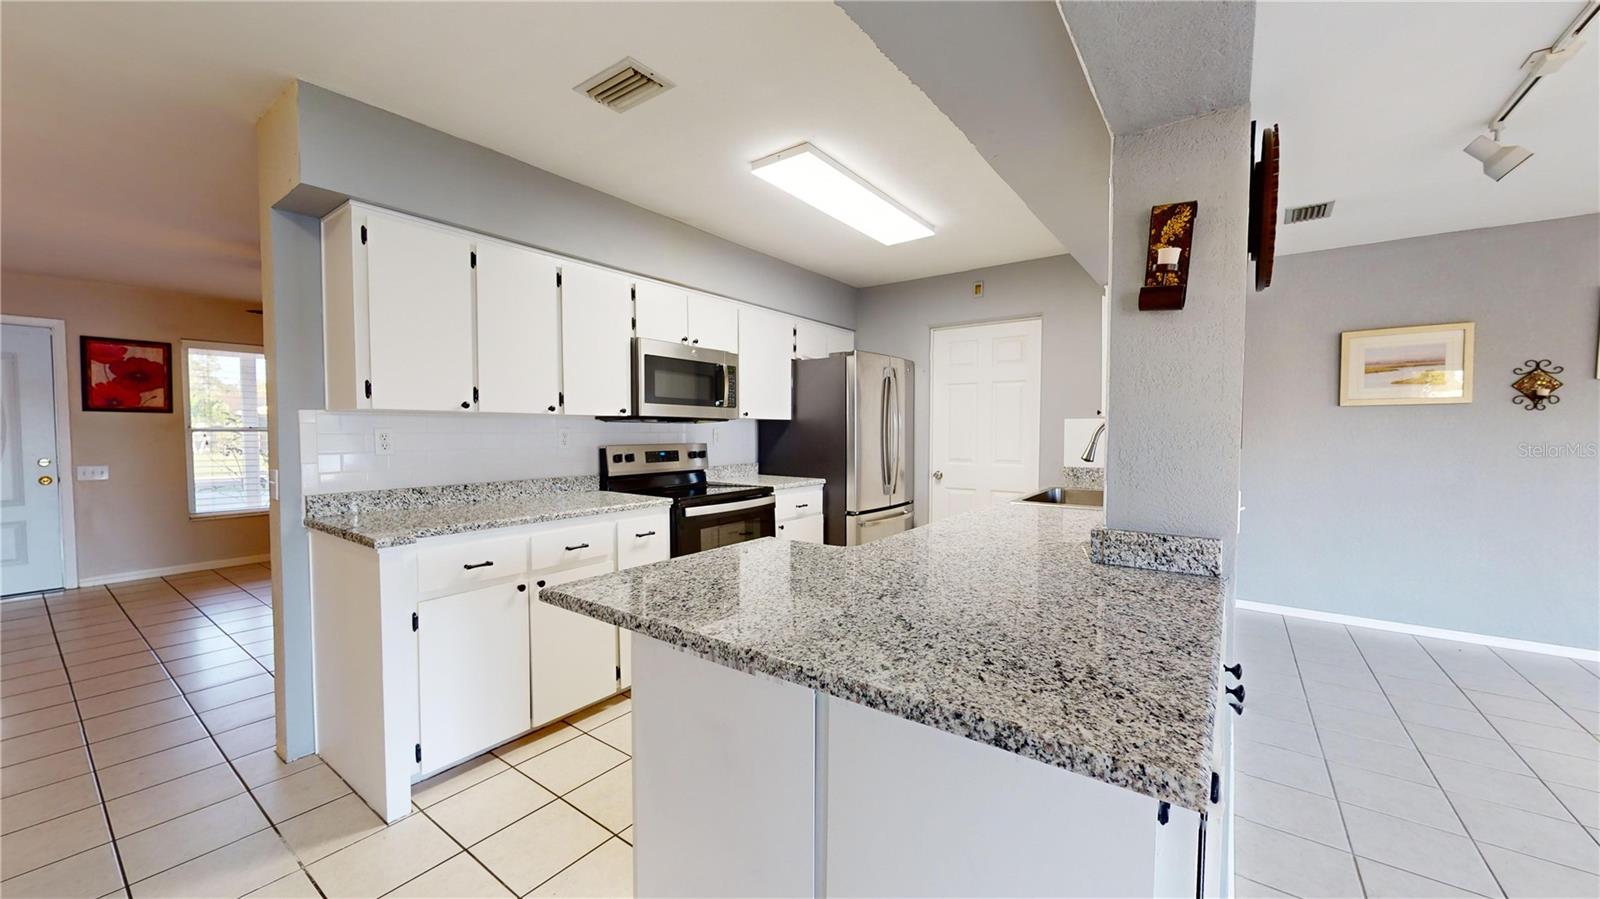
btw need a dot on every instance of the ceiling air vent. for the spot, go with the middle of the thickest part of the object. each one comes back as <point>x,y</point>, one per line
<point>1297,214</point>
<point>624,85</point>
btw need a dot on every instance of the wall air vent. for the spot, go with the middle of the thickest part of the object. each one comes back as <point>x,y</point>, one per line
<point>624,85</point>
<point>1294,215</point>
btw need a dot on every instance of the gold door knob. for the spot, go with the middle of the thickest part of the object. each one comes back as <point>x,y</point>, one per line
<point>46,480</point>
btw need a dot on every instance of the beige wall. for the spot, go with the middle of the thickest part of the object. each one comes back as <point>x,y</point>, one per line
<point>139,519</point>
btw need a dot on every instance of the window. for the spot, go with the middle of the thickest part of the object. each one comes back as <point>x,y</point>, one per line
<point>225,400</point>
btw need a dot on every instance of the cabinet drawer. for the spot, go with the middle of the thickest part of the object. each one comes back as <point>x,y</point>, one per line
<point>643,539</point>
<point>799,503</point>
<point>566,547</point>
<point>465,565</point>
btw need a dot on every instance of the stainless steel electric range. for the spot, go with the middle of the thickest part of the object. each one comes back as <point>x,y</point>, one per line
<point>705,514</point>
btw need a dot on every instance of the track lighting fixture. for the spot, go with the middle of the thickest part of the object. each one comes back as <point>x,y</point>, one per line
<point>1498,158</point>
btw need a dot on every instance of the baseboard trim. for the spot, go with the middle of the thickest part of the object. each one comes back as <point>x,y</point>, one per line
<point>124,576</point>
<point>1417,630</point>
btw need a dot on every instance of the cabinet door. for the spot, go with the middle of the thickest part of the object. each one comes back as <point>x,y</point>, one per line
<point>810,339</point>
<point>713,322</point>
<point>766,369</point>
<point>640,541</point>
<point>596,358</point>
<point>662,311</point>
<point>805,530</point>
<point>419,315</point>
<point>840,341</point>
<point>519,338</point>
<point>574,656</point>
<point>472,672</point>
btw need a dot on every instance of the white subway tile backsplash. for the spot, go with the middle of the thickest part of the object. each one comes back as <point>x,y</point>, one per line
<point>444,448</point>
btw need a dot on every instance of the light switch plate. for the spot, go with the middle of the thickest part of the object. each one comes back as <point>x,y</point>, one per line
<point>94,472</point>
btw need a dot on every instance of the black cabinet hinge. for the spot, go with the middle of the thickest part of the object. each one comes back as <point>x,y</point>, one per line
<point>1216,788</point>
<point>369,390</point>
<point>1163,810</point>
<point>472,259</point>
<point>561,398</point>
<point>633,323</point>
<point>363,235</point>
<point>413,621</point>
<point>633,293</point>
<point>474,394</point>
<point>558,279</point>
<point>619,672</point>
<point>419,753</point>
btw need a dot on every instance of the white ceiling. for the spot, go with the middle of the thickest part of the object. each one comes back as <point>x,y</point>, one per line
<point>129,147</point>
<point>1376,101</point>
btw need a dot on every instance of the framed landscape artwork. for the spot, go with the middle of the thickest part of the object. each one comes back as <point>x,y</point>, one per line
<point>125,375</point>
<point>1406,366</point>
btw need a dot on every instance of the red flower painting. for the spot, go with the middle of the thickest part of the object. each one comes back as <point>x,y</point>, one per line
<point>126,375</point>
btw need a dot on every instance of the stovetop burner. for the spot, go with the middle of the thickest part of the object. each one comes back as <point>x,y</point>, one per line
<point>675,471</point>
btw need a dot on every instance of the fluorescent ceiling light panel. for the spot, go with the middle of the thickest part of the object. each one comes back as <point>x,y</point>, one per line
<point>814,177</point>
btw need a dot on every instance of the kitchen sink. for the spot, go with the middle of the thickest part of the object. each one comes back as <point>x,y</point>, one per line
<point>1067,496</point>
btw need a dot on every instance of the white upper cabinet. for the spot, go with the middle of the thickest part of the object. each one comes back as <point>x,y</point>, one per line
<point>596,332</point>
<point>713,322</point>
<point>810,339</point>
<point>419,315</point>
<point>519,335</point>
<point>662,311</point>
<point>840,341</point>
<point>766,373</point>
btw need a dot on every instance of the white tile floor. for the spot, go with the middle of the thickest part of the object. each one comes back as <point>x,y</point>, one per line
<point>136,759</point>
<point>1379,764</point>
<point>136,732</point>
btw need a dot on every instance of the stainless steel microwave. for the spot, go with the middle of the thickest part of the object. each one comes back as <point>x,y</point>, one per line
<point>680,380</point>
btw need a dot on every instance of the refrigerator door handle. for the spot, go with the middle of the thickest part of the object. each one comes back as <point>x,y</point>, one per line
<point>883,434</point>
<point>899,431</point>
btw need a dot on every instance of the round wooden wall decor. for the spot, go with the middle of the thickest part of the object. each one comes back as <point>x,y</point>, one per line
<point>1264,207</point>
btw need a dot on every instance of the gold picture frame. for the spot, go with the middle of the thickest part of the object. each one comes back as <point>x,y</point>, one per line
<point>1413,365</point>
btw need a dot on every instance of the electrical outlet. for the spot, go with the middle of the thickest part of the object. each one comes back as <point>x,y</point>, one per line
<point>94,472</point>
<point>383,441</point>
<point>563,437</point>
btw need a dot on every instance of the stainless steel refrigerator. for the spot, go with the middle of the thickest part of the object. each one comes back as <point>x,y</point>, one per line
<point>851,425</point>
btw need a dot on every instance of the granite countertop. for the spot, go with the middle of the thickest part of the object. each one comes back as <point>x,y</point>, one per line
<point>994,626</point>
<point>380,525</point>
<point>751,476</point>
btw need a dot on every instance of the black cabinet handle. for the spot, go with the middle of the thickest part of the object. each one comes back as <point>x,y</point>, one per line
<point>623,411</point>
<point>579,546</point>
<point>780,527</point>
<point>646,534</point>
<point>696,340</point>
<point>539,584</point>
<point>466,405</point>
<point>1236,692</point>
<point>471,565</point>
<point>801,505</point>
<point>747,415</point>
<point>522,588</point>
<point>550,408</point>
<point>683,340</point>
<point>1238,708</point>
<point>1236,669</point>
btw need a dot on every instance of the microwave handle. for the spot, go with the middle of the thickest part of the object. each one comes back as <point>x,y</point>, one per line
<point>727,387</point>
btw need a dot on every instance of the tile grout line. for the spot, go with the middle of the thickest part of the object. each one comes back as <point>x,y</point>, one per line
<point>1326,766</point>
<point>225,760</point>
<point>1418,750</point>
<point>88,750</point>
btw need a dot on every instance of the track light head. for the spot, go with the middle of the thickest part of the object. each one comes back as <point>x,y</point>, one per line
<point>1498,159</point>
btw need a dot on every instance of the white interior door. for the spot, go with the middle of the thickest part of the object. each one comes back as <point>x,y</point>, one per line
<point>983,432</point>
<point>30,502</point>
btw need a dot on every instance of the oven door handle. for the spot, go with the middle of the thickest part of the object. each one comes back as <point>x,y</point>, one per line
<point>719,508</point>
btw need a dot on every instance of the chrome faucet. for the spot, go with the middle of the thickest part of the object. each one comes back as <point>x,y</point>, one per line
<point>1088,451</point>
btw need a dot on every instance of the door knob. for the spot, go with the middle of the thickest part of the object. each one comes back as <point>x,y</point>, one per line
<point>44,461</point>
<point>46,480</point>
<point>938,476</point>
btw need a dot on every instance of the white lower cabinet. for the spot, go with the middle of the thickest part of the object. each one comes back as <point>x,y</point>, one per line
<point>640,540</point>
<point>574,656</point>
<point>472,664</point>
<point>805,530</point>
<point>799,514</point>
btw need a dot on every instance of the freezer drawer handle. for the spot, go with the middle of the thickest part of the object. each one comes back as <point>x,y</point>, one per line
<point>471,565</point>
<point>867,522</point>
<point>579,546</point>
<point>719,508</point>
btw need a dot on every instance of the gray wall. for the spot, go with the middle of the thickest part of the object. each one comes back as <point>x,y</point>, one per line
<point>1176,378</point>
<point>350,149</point>
<point>895,319</point>
<point>1443,516</point>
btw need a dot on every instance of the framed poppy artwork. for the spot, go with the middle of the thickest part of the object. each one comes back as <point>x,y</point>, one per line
<point>126,375</point>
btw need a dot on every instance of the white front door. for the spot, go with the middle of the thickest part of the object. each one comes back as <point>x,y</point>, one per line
<point>983,445</point>
<point>30,501</point>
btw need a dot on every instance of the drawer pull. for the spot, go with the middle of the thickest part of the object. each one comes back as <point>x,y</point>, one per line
<point>470,565</point>
<point>801,505</point>
<point>579,546</point>
<point>646,534</point>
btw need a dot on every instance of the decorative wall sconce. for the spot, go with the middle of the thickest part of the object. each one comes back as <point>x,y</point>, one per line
<point>1538,385</point>
<point>1166,275</point>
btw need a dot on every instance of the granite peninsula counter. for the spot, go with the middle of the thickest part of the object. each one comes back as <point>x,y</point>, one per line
<point>994,627</point>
